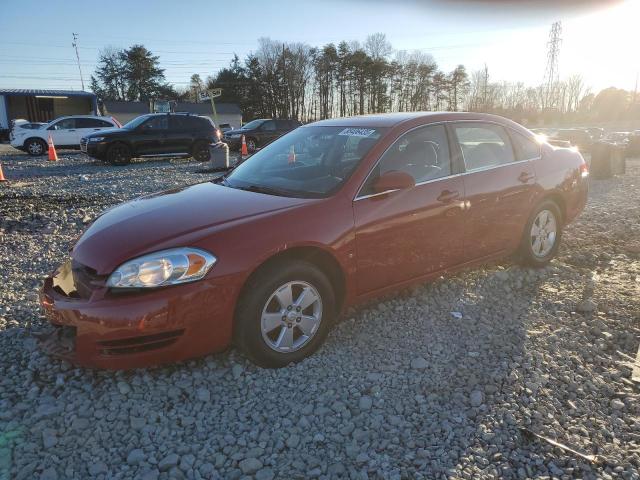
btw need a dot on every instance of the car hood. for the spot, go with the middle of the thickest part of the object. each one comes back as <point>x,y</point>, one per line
<point>238,130</point>
<point>107,131</point>
<point>169,219</point>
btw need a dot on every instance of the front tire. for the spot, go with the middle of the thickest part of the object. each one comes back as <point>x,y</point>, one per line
<point>119,154</point>
<point>285,314</point>
<point>252,145</point>
<point>542,234</point>
<point>35,147</point>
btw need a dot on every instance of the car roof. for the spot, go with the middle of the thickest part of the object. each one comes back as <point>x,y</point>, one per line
<point>394,119</point>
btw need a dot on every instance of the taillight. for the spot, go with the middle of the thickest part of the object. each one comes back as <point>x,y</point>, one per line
<point>584,170</point>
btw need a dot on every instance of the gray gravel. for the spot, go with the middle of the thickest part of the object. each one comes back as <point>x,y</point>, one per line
<point>437,381</point>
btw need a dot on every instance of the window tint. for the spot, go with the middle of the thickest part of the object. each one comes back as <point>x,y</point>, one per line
<point>422,153</point>
<point>526,148</point>
<point>269,125</point>
<point>161,122</point>
<point>65,124</point>
<point>483,145</point>
<point>91,123</point>
<point>181,122</point>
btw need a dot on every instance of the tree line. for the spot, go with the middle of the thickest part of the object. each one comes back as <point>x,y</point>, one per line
<point>296,80</point>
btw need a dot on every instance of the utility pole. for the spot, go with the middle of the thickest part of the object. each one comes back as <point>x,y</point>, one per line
<point>486,83</point>
<point>551,74</point>
<point>75,45</point>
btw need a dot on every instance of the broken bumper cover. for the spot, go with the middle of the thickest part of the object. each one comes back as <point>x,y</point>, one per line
<point>131,330</point>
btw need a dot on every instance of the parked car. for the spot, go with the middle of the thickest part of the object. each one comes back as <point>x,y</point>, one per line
<point>225,127</point>
<point>329,215</point>
<point>618,138</point>
<point>259,133</point>
<point>596,132</point>
<point>152,135</point>
<point>576,137</point>
<point>65,132</point>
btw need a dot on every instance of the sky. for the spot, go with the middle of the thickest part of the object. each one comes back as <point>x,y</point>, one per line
<point>599,38</point>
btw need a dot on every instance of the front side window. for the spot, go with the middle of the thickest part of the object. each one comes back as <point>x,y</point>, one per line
<point>92,123</point>
<point>268,126</point>
<point>66,124</point>
<point>422,153</point>
<point>161,122</point>
<point>483,145</point>
<point>310,161</point>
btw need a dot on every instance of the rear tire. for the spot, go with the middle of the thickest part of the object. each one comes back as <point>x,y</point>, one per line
<point>200,152</point>
<point>35,147</point>
<point>119,154</point>
<point>542,235</point>
<point>273,334</point>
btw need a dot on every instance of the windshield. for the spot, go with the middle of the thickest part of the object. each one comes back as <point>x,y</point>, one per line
<point>253,124</point>
<point>135,122</point>
<point>310,162</point>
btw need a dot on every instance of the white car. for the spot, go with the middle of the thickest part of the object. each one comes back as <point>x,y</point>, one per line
<point>66,132</point>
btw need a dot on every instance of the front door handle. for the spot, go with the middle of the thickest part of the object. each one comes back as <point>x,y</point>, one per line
<point>524,177</point>
<point>447,196</point>
<point>71,130</point>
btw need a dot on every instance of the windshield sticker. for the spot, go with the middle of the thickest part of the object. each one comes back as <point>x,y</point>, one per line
<point>357,132</point>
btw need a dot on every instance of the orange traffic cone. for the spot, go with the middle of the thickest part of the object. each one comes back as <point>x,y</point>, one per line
<point>243,150</point>
<point>2,179</point>
<point>53,156</point>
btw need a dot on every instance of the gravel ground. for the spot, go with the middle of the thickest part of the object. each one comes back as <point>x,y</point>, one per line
<point>440,381</point>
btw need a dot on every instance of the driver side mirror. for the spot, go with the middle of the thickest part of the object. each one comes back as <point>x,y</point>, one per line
<point>393,180</point>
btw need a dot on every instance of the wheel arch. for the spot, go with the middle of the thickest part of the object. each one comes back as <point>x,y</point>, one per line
<point>557,198</point>
<point>27,140</point>
<point>325,261</point>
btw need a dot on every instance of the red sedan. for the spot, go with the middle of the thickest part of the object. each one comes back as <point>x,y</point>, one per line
<point>328,215</point>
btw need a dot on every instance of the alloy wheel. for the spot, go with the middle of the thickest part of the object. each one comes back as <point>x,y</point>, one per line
<point>35,148</point>
<point>291,317</point>
<point>544,231</point>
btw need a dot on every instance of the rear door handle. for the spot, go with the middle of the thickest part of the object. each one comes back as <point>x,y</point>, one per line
<point>524,177</point>
<point>447,196</point>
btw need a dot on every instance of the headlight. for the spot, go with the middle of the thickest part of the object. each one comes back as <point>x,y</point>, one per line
<point>96,139</point>
<point>159,269</point>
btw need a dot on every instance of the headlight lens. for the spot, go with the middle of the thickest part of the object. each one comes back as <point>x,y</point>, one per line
<point>159,269</point>
<point>96,139</point>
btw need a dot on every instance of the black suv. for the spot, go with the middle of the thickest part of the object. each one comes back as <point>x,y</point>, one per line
<point>258,133</point>
<point>156,134</point>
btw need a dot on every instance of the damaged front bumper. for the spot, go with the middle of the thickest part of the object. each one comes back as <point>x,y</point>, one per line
<point>91,326</point>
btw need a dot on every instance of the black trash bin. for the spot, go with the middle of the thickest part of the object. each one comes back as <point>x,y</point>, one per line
<point>601,165</point>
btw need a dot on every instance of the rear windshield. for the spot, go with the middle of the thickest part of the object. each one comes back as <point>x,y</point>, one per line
<point>311,161</point>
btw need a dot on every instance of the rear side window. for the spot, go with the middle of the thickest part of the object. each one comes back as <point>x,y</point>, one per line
<point>422,153</point>
<point>483,145</point>
<point>525,148</point>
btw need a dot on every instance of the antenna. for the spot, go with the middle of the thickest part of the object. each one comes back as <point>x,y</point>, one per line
<point>75,45</point>
<point>551,75</point>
